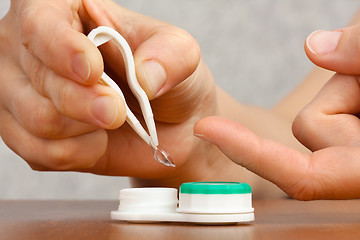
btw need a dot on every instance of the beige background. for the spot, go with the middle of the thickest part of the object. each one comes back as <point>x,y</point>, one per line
<point>253,47</point>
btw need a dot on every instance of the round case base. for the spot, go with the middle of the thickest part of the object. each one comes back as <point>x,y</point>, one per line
<point>207,203</point>
<point>203,219</point>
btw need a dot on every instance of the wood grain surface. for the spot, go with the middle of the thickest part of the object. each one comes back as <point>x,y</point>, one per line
<point>274,219</point>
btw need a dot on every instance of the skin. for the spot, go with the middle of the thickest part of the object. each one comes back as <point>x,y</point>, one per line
<point>329,126</point>
<point>52,104</point>
<point>52,108</point>
<point>48,106</point>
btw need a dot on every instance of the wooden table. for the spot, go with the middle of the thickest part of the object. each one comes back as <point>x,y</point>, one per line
<point>275,219</point>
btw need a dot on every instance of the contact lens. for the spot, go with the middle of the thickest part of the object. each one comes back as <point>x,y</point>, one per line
<point>162,156</point>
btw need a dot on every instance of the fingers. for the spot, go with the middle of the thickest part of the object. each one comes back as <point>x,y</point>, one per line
<point>164,55</point>
<point>330,173</point>
<point>74,153</point>
<point>97,105</point>
<point>33,112</point>
<point>268,159</point>
<point>331,118</point>
<point>46,60</point>
<point>337,50</point>
<point>25,115</point>
<point>50,30</point>
<point>40,117</point>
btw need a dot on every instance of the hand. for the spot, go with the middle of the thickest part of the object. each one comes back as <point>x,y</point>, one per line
<point>329,126</point>
<point>54,114</point>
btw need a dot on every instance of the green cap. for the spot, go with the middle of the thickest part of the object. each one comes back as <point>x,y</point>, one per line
<point>215,188</point>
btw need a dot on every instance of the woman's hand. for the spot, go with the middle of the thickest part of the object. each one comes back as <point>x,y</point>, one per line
<point>329,126</point>
<point>53,113</point>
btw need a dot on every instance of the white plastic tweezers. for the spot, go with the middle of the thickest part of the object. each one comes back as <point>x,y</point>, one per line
<point>101,35</point>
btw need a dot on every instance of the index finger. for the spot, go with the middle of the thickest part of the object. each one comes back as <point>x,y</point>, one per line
<point>330,173</point>
<point>51,30</point>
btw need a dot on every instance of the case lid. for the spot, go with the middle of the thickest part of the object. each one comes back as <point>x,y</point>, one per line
<point>215,188</point>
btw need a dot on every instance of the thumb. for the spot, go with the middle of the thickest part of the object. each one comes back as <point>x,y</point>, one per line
<point>166,59</point>
<point>164,55</point>
<point>337,50</point>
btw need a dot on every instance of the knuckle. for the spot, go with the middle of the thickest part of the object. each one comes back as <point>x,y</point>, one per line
<point>72,153</point>
<point>35,70</point>
<point>38,74</point>
<point>63,98</point>
<point>59,157</point>
<point>49,122</point>
<point>189,43</point>
<point>297,126</point>
<point>310,128</point>
<point>303,125</point>
<point>39,117</point>
<point>28,23</point>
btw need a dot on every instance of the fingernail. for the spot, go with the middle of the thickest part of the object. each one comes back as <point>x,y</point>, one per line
<point>81,66</point>
<point>105,109</point>
<point>155,75</point>
<point>323,42</point>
